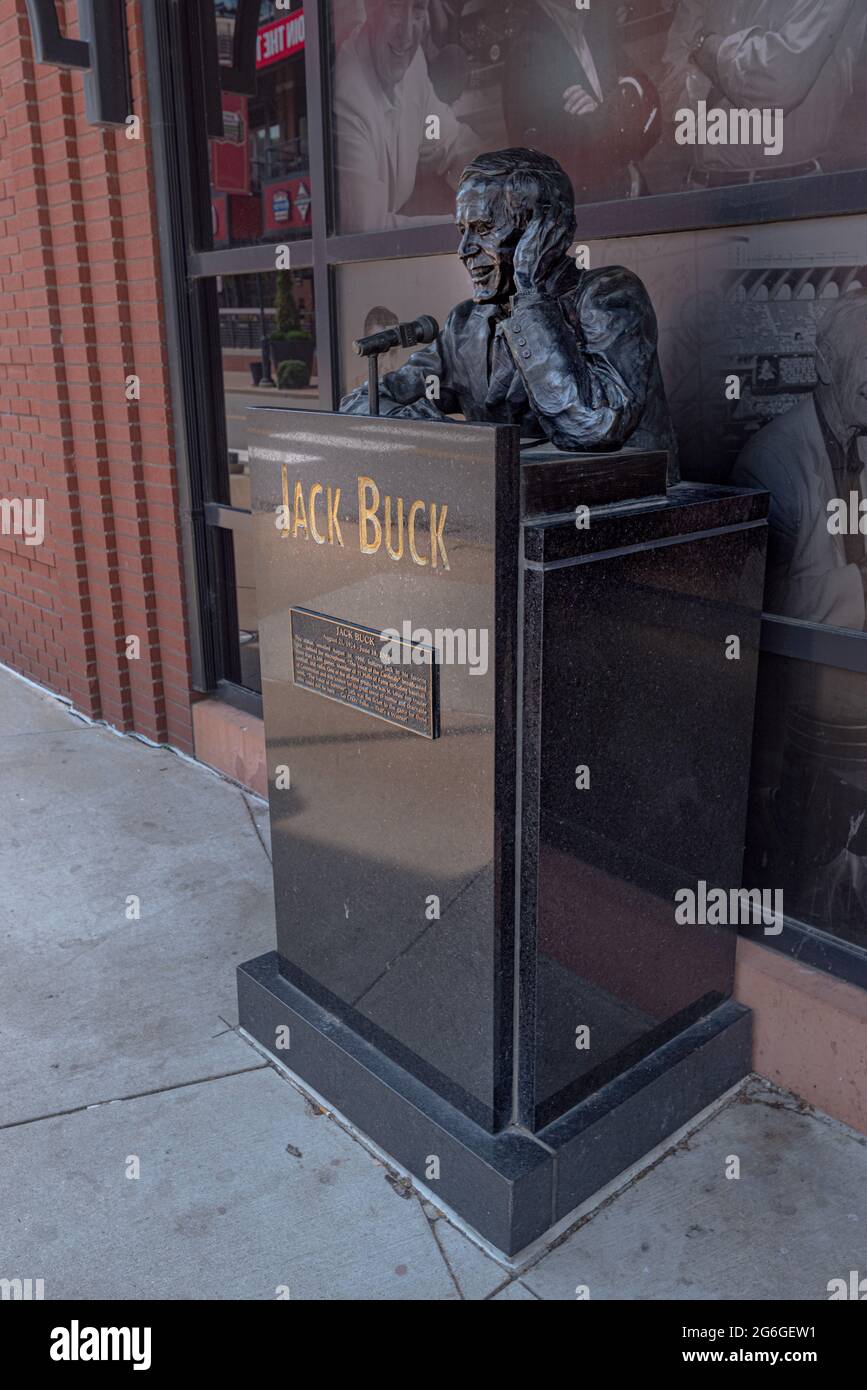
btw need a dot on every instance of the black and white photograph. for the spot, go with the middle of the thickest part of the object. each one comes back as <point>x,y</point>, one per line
<point>634,100</point>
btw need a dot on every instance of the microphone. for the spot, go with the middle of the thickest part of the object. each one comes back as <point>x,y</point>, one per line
<point>422,330</point>
<point>449,72</point>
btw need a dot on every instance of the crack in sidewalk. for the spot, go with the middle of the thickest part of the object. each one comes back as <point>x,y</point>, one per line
<point>133,1095</point>
<point>432,1223</point>
<point>255,826</point>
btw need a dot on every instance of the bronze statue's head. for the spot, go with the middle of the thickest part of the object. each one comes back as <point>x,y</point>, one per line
<point>499,195</point>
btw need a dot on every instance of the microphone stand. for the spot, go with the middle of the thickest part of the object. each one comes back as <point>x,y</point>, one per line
<point>422,330</point>
<point>373,383</point>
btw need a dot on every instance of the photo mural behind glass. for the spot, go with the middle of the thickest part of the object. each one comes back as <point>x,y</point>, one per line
<point>634,99</point>
<point>763,345</point>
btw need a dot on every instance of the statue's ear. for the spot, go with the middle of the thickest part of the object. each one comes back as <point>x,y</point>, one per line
<point>511,202</point>
<point>521,196</point>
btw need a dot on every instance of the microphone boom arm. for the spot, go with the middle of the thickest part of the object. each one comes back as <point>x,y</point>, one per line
<point>421,330</point>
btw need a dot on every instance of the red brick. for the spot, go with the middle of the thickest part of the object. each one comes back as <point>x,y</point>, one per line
<point>80,308</point>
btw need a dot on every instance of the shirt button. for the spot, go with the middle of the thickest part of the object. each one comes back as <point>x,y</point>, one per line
<point>522,342</point>
<point>526,354</point>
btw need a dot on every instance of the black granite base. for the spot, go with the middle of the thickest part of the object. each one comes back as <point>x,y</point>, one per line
<point>510,1187</point>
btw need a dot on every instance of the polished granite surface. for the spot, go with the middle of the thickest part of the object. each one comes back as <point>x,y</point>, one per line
<point>394,854</point>
<point>633,684</point>
<point>378,821</point>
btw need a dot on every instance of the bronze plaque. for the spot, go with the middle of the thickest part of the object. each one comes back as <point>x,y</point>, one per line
<point>389,678</point>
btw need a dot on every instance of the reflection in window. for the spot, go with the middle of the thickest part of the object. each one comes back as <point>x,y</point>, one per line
<point>268,355</point>
<point>267,343</point>
<point>260,169</point>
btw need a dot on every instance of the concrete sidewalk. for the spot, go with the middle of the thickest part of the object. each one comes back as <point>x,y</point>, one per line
<point>147,1150</point>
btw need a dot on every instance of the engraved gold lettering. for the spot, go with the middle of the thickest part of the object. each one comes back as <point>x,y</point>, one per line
<point>395,554</point>
<point>368,514</point>
<point>397,525</point>
<point>410,526</point>
<point>437,527</point>
<point>315,491</point>
<point>333,519</point>
<point>300,513</point>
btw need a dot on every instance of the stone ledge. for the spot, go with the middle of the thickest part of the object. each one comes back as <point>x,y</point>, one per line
<point>232,742</point>
<point>809,1031</point>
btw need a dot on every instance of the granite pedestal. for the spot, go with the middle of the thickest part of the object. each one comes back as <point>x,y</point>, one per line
<point>478,835</point>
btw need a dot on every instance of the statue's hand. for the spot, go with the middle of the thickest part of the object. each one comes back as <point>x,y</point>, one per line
<point>537,252</point>
<point>358,403</point>
<point>422,409</point>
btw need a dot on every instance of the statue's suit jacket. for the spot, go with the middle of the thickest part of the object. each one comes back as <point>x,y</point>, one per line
<point>808,574</point>
<point>576,365</point>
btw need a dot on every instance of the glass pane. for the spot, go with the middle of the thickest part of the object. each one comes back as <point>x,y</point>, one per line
<point>260,169</point>
<point>377,294</point>
<point>268,350</point>
<point>807,834</point>
<point>627,96</point>
<point>794,332</point>
<point>268,345</point>
<point>746,319</point>
<point>416,93</point>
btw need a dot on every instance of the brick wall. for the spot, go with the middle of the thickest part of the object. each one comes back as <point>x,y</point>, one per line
<point>80,311</point>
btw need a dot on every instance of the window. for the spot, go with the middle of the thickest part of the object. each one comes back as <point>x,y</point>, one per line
<point>260,164</point>
<point>627,96</point>
<point>338,131</point>
<point>749,322</point>
<point>807,832</point>
<point>371,297</point>
<point>267,342</point>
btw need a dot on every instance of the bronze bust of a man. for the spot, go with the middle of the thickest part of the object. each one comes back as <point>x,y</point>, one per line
<point>568,355</point>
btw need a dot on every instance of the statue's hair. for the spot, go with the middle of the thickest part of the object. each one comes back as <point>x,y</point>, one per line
<point>529,179</point>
